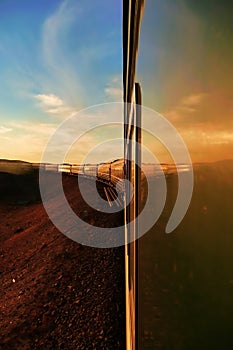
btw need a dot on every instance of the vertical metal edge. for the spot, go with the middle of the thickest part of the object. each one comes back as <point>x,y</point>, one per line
<point>138,160</point>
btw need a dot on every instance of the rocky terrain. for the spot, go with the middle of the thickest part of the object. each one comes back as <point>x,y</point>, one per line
<point>55,293</point>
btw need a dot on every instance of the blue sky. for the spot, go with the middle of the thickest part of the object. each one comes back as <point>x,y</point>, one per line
<point>56,57</point>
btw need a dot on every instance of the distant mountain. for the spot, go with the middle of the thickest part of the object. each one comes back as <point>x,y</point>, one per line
<point>16,167</point>
<point>13,161</point>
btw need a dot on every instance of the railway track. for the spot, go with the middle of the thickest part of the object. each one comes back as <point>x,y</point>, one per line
<point>110,175</point>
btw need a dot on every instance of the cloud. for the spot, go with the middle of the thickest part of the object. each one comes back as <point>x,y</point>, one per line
<point>41,129</point>
<point>187,105</point>
<point>114,89</point>
<point>114,92</point>
<point>75,49</point>
<point>218,137</point>
<point>4,130</point>
<point>63,70</point>
<point>53,31</point>
<point>192,100</point>
<point>56,33</point>
<point>62,111</point>
<point>50,100</point>
<point>212,109</point>
<point>24,134</point>
<point>55,105</point>
<point>206,142</point>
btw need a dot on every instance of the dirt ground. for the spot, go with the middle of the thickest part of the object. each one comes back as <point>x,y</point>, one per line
<point>54,292</point>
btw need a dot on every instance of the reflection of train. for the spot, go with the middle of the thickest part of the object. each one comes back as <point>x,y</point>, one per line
<point>110,173</point>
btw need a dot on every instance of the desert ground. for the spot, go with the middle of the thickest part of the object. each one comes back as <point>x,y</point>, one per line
<point>58,294</point>
<point>54,292</point>
<point>186,277</point>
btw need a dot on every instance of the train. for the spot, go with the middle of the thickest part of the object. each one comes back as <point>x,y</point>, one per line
<point>109,173</point>
<point>114,173</point>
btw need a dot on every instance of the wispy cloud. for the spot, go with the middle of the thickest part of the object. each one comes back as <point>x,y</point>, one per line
<point>114,89</point>
<point>218,137</point>
<point>24,134</point>
<point>55,34</point>
<point>54,105</point>
<point>57,70</point>
<point>191,102</point>
<point>4,130</point>
<point>193,99</point>
<point>188,104</point>
<point>34,128</point>
<point>76,52</point>
<point>50,100</point>
<point>114,92</point>
<point>54,30</point>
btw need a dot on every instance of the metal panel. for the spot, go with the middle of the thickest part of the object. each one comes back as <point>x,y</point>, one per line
<point>132,11</point>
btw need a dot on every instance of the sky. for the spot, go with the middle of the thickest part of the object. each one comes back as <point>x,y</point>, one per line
<point>58,57</point>
<point>187,75</point>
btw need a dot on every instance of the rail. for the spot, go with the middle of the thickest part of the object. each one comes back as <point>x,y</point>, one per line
<point>109,174</point>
